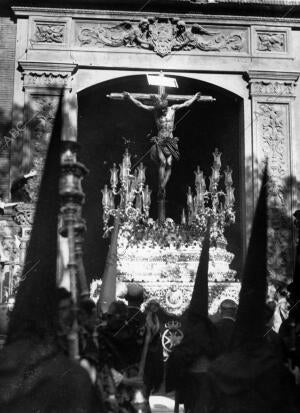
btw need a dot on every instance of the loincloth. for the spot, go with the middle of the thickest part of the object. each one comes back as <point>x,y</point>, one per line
<point>168,145</point>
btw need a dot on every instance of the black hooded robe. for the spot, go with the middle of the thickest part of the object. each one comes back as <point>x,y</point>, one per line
<point>187,367</point>
<point>36,377</point>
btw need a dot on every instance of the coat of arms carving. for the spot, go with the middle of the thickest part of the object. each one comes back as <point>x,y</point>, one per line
<point>162,35</point>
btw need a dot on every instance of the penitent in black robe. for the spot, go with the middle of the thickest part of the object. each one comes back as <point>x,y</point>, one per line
<point>252,379</point>
<point>187,367</point>
<point>36,377</point>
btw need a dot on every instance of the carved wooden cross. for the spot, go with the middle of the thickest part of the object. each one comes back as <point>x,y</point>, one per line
<point>162,82</point>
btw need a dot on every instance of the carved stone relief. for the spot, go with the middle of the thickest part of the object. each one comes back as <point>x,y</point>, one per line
<point>43,114</point>
<point>24,214</point>
<point>162,36</point>
<point>271,42</point>
<point>273,138</point>
<point>10,258</point>
<point>49,32</point>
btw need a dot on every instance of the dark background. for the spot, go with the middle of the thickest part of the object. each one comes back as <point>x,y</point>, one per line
<point>105,125</point>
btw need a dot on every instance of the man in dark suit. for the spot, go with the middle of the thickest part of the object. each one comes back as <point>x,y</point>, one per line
<point>225,325</point>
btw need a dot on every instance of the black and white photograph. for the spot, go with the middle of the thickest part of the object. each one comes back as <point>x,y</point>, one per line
<point>149,206</point>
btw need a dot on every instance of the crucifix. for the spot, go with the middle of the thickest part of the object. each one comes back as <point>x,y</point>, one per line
<point>165,145</point>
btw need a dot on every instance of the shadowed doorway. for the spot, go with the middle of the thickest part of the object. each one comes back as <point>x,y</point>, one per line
<point>106,128</point>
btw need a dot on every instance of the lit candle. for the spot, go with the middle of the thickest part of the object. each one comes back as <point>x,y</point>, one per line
<point>183,217</point>
<point>146,197</point>
<point>105,197</point>
<point>126,160</point>
<point>215,175</point>
<point>198,177</point>
<point>217,158</point>
<point>228,176</point>
<point>203,185</point>
<point>212,184</point>
<point>138,202</point>
<point>200,199</point>
<point>111,200</point>
<point>229,197</point>
<point>132,185</point>
<point>123,174</point>
<point>141,174</point>
<point>189,198</point>
<point>114,176</point>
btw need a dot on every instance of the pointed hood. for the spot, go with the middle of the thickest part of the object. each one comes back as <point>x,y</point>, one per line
<point>199,301</point>
<point>34,313</point>
<point>250,314</point>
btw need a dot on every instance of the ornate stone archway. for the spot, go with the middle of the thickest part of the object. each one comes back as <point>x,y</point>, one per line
<point>75,49</point>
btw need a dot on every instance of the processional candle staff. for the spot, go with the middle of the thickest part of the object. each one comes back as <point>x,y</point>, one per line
<point>73,227</point>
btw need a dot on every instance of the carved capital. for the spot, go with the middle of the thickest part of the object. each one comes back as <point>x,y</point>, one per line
<point>47,75</point>
<point>46,79</point>
<point>272,88</point>
<point>272,83</point>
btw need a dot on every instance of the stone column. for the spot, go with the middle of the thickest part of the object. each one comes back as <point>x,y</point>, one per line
<point>43,83</point>
<point>272,96</point>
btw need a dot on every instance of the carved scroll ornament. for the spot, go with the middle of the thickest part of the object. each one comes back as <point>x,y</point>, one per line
<point>162,36</point>
<point>24,214</point>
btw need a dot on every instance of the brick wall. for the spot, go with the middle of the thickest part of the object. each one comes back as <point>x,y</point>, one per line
<point>7,68</point>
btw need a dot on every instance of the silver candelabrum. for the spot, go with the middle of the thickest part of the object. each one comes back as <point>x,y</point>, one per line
<point>128,196</point>
<point>211,201</point>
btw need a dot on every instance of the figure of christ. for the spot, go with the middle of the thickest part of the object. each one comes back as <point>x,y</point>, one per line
<point>165,146</point>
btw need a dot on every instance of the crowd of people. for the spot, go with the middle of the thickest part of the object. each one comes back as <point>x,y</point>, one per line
<point>121,350</point>
<point>204,372</point>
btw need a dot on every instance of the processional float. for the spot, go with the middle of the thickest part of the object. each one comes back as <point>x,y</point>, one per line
<point>162,256</point>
